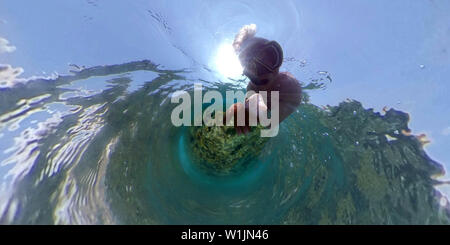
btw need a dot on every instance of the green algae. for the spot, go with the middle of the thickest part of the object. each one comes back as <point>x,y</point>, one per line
<point>345,212</point>
<point>344,170</point>
<point>389,179</point>
<point>336,165</point>
<point>373,185</point>
<point>219,150</point>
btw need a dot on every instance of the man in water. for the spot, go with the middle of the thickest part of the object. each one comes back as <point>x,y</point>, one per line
<point>261,60</point>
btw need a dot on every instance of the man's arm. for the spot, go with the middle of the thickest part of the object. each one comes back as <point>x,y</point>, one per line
<point>249,113</point>
<point>290,97</point>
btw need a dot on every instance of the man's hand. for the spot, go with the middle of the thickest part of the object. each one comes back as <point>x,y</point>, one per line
<point>244,110</point>
<point>234,111</point>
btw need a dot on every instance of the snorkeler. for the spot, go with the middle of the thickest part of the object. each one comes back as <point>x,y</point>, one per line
<point>261,60</point>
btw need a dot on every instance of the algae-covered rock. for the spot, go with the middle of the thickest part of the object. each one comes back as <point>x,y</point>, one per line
<point>372,184</point>
<point>221,151</point>
<point>386,175</point>
<point>345,212</point>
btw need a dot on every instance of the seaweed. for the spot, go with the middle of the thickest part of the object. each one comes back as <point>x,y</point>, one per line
<point>389,178</point>
<point>219,150</point>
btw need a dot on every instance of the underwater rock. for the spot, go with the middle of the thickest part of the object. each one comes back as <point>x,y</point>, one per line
<point>388,177</point>
<point>340,165</point>
<point>221,151</point>
<point>332,166</point>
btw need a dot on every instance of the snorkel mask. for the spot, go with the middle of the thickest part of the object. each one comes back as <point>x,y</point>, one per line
<point>260,56</point>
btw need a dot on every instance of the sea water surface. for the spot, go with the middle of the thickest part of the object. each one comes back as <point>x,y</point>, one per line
<point>85,107</point>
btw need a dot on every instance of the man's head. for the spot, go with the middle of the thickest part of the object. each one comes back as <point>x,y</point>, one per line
<point>261,59</point>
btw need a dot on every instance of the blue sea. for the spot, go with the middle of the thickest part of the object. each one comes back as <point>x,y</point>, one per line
<point>86,136</point>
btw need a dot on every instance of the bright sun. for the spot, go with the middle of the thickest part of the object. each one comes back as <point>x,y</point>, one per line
<point>227,62</point>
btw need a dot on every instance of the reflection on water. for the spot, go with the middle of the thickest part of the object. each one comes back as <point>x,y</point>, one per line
<point>98,146</point>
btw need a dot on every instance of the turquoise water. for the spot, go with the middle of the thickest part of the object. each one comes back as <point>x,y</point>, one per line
<point>86,135</point>
<point>114,157</point>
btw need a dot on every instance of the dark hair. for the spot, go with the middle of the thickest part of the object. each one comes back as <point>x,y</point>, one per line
<point>266,56</point>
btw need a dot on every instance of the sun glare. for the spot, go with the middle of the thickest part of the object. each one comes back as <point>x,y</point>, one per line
<point>227,62</point>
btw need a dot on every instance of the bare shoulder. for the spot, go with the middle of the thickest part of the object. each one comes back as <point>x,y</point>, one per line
<point>287,74</point>
<point>290,89</point>
<point>289,81</point>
